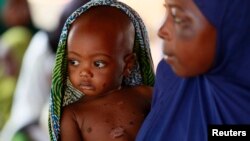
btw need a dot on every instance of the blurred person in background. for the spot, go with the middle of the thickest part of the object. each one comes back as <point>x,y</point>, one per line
<point>17,13</point>
<point>16,33</point>
<point>29,113</point>
<point>12,47</point>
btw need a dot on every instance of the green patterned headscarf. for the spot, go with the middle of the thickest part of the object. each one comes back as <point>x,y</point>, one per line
<point>62,92</point>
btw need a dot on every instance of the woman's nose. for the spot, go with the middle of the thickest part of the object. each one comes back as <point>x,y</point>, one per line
<point>165,30</point>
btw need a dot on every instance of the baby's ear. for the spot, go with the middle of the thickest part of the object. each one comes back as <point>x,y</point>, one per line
<point>129,63</point>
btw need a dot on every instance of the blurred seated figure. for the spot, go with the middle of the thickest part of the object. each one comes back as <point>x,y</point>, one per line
<point>12,47</point>
<point>31,91</point>
<point>7,83</point>
<point>15,35</point>
<point>29,112</point>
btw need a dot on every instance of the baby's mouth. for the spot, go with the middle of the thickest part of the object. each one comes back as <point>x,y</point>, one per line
<point>86,86</point>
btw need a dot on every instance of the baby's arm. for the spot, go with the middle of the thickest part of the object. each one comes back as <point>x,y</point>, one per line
<point>69,127</point>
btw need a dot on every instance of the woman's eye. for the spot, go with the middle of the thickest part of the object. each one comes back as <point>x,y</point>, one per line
<point>99,64</point>
<point>176,16</point>
<point>74,62</point>
<point>178,20</point>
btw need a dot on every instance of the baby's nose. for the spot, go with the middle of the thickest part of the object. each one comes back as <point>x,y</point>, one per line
<point>86,73</point>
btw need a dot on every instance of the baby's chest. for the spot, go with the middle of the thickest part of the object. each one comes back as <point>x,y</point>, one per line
<point>111,120</point>
<point>113,115</point>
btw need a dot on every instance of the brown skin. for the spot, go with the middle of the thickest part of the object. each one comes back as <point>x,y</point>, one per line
<point>99,56</point>
<point>189,39</point>
<point>16,13</point>
<point>98,119</point>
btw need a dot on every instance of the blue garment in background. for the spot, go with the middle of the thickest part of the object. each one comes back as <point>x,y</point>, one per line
<point>182,108</point>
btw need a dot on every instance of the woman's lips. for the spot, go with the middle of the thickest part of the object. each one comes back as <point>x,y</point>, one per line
<point>168,58</point>
<point>165,57</point>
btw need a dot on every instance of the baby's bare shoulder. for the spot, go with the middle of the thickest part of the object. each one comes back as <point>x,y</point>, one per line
<point>74,108</point>
<point>143,90</point>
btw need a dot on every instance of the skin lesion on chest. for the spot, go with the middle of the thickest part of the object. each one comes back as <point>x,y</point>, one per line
<point>111,127</point>
<point>112,133</point>
<point>116,120</point>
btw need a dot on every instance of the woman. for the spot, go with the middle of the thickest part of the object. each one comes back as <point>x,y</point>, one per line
<point>203,78</point>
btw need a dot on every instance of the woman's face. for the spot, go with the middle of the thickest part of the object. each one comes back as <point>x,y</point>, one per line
<point>189,39</point>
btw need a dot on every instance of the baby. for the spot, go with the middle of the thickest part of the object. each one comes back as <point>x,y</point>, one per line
<point>102,51</point>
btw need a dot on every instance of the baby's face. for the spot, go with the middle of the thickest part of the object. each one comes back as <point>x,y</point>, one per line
<point>96,60</point>
<point>94,64</point>
<point>189,39</point>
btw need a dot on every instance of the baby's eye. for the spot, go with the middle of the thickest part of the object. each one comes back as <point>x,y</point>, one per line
<point>74,62</point>
<point>99,64</point>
